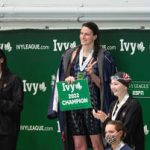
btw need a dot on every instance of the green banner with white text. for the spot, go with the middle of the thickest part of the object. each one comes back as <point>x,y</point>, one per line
<point>34,55</point>
<point>73,96</point>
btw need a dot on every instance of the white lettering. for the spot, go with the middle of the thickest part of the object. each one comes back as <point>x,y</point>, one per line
<point>133,46</point>
<point>122,49</point>
<point>66,45</point>
<point>58,126</point>
<point>35,87</point>
<point>72,87</point>
<point>65,87</point>
<point>55,45</point>
<point>68,87</point>
<point>74,101</point>
<point>29,86</point>
<point>59,46</point>
<point>126,46</point>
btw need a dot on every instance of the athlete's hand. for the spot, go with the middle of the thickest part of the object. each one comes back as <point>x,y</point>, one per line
<point>89,68</point>
<point>70,79</point>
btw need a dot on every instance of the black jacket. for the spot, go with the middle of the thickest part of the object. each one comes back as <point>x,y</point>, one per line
<point>131,116</point>
<point>11,103</point>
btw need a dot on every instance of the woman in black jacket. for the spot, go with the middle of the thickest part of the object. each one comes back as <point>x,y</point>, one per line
<point>11,103</point>
<point>125,109</point>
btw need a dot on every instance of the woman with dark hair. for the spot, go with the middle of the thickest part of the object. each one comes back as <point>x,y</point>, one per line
<point>11,103</point>
<point>125,109</point>
<point>114,135</point>
<point>87,61</point>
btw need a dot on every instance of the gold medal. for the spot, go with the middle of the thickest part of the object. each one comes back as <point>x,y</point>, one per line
<point>80,75</point>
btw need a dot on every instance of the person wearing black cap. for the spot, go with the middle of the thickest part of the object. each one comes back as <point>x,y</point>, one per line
<point>125,109</point>
<point>11,103</point>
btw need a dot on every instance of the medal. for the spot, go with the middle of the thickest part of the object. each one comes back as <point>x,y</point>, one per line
<point>80,75</point>
<point>82,64</point>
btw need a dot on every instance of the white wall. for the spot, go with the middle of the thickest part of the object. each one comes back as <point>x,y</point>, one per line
<point>130,3</point>
<point>109,14</point>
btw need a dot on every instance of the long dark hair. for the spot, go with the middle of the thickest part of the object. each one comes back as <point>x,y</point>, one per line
<point>92,26</point>
<point>4,67</point>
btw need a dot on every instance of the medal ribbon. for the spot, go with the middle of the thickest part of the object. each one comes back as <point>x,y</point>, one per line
<point>81,64</point>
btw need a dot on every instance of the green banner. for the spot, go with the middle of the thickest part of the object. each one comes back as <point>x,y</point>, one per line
<point>74,96</point>
<point>35,55</point>
<point>140,89</point>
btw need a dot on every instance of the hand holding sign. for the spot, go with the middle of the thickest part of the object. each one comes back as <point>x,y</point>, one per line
<point>70,79</point>
<point>73,96</point>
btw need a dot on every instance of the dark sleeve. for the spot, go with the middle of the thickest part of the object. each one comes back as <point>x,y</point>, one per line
<point>109,70</point>
<point>62,69</point>
<point>15,103</point>
<point>134,126</point>
<point>51,113</point>
<point>109,66</point>
<point>133,117</point>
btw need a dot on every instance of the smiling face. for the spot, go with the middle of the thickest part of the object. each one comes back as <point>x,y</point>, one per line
<point>87,37</point>
<point>118,88</point>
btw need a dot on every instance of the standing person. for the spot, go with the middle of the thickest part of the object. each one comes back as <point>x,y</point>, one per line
<point>114,135</point>
<point>91,62</point>
<point>125,109</point>
<point>11,102</point>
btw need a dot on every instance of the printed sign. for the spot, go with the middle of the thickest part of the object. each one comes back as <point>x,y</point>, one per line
<point>74,96</point>
<point>140,89</point>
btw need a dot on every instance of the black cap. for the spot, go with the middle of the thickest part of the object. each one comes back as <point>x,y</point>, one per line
<point>122,77</point>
